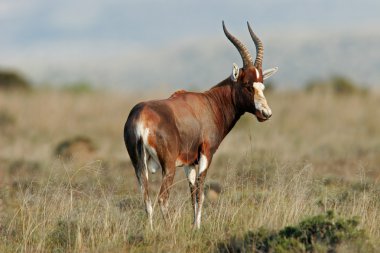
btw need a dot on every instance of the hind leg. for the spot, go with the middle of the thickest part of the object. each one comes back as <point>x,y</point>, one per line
<point>147,201</point>
<point>140,163</point>
<point>167,181</point>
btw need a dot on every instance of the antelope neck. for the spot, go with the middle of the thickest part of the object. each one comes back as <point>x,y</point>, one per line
<point>222,101</point>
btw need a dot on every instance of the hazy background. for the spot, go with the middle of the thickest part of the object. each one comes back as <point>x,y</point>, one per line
<point>67,183</point>
<point>138,44</point>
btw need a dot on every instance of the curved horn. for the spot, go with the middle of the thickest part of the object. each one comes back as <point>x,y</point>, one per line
<point>245,55</point>
<point>259,48</point>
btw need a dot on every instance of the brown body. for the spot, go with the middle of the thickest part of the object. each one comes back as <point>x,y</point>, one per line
<point>186,129</point>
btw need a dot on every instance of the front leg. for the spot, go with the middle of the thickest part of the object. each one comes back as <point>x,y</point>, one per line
<point>191,175</point>
<point>204,163</point>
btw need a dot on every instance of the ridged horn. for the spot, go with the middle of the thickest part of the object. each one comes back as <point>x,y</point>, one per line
<point>243,51</point>
<point>259,48</point>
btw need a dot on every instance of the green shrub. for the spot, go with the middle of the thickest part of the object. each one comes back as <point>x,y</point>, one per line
<point>79,145</point>
<point>63,237</point>
<point>336,84</point>
<point>78,87</point>
<point>310,235</point>
<point>10,80</point>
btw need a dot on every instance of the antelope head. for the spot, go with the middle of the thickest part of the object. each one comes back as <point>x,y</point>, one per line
<point>249,80</point>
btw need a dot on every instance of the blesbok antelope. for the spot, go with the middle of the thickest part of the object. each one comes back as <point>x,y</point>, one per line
<point>186,129</point>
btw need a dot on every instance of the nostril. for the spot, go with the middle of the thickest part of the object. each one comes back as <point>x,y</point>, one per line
<point>266,114</point>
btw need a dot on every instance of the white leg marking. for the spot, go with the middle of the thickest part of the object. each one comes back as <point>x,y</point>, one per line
<point>148,206</point>
<point>199,212</point>
<point>190,174</point>
<point>195,211</point>
<point>203,163</point>
<point>149,209</point>
<point>146,164</point>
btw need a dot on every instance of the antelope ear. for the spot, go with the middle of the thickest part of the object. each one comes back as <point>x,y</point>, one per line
<point>235,72</point>
<point>268,72</point>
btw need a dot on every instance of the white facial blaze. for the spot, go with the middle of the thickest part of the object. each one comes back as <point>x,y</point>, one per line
<point>260,93</point>
<point>260,100</point>
<point>259,86</point>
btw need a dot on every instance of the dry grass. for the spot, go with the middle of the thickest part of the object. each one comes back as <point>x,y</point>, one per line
<point>319,152</point>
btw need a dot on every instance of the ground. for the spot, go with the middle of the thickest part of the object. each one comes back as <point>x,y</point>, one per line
<point>319,152</point>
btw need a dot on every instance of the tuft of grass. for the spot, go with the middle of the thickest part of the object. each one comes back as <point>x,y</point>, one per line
<point>324,231</point>
<point>63,236</point>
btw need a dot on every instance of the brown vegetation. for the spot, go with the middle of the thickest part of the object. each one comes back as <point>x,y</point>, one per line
<point>78,148</point>
<point>319,152</point>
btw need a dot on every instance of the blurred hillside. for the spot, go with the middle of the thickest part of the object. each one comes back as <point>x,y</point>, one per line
<point>201,63</point>
<point>124,44</point>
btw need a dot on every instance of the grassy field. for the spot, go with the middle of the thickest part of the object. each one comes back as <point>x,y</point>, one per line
<point>319,152</point>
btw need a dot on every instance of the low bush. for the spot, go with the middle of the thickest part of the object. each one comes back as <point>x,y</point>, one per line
<point>79,147</point>
<point>318,233</point>
<point>10,80</point>
<point>63,236</point>
<point>78,88</point>
<point>337,84</point>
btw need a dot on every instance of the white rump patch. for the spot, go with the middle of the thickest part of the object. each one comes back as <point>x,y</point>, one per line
<point>142,131</point>
<point>150,154</point>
